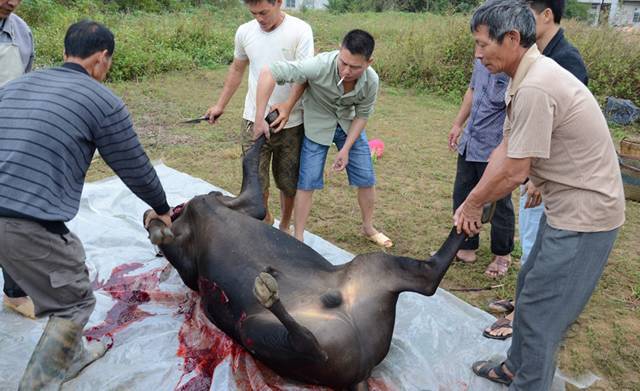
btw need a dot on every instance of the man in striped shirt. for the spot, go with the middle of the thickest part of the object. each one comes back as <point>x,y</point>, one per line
<point>51,122</point>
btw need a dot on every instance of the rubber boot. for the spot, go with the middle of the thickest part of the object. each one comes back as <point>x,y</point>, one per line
<point>86,353</point>
<point>52,356</point>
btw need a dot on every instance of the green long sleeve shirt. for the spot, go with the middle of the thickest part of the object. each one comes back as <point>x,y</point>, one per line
<point>324,101</point>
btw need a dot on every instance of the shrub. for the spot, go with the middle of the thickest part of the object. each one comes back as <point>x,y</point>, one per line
<point>434,52</point>
<point>426,51</point>
<point>146,43</point>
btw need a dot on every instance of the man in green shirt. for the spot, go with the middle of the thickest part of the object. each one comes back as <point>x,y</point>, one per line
<point>338,100</point>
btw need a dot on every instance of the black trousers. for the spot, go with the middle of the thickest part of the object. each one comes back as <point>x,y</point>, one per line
<point>11,289</point>
<point>468,175</point>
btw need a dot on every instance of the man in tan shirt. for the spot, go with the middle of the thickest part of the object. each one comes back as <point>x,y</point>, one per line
<point>554,134</point>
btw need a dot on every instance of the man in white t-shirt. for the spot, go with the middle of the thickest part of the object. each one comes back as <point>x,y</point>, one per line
<point>271,36</point>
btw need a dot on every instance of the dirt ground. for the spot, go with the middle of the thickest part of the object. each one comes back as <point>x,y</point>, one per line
<point>415,179</point>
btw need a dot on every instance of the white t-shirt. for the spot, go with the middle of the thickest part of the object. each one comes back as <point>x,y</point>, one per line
<point>292,40</point>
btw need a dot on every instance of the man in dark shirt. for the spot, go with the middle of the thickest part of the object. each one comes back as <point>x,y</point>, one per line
<point>550,37</point>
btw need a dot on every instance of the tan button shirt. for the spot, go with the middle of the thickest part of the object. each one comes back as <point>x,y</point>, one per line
<point>555,120</point>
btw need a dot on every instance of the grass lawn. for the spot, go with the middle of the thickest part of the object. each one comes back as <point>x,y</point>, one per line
<point>415,179</point>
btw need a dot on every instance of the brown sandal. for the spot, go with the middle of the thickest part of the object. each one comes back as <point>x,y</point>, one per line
<point>502,323</point>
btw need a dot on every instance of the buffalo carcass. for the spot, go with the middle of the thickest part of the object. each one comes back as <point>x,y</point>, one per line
<point>300,315</point>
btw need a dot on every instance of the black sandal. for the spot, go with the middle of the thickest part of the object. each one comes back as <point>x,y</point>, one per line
<point>502,323</point>
<point>484,368</point>
<point>502,306</point>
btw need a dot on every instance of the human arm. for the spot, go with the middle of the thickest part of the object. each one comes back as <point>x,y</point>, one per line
<point>231,84</point>
<point>534,198</point>
<point>363,110</point>
<point>303,50</point>
<point>266,84</point>
<point>502,175</point>
<point>528,134</point>
<point>461,118</point>
<point>120,148</point>
<point>279,72</point>
<point>284,108</point>
<point>342,158</point>
<point>29,66</point>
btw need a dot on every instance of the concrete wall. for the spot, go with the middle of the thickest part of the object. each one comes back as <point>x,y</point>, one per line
<point>299,4</point>
<point>625,11</point>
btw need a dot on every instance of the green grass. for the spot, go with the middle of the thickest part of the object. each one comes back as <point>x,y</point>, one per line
<point>415,178</point>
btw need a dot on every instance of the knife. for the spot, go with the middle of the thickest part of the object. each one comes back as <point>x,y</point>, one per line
<point>197,120</point>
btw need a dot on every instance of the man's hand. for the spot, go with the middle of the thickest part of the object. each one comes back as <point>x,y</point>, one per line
<point>283,117</point>
<point>534,198</point>
<point>260,127</point>
<point>214,114</point>
<point>341,160</point>
<point>454,134</point>
<point>468,218</point>
<point>152,215</point>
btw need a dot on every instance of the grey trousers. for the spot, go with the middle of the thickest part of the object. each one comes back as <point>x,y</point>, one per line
<point>49,267</point>
<point>553,288</point>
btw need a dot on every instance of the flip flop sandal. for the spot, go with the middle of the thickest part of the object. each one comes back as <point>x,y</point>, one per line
<point>502,306</point>
<point>25,309</point>
<point>502,323</point>
<point>483,369</point>
<point>380,239</point>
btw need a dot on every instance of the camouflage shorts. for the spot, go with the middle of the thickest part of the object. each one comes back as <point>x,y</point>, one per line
<point>282,150</point>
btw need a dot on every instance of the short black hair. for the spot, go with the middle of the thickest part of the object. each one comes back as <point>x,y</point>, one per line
<point>87,37</point>
<point>556,6</point>
<point>359,42</point>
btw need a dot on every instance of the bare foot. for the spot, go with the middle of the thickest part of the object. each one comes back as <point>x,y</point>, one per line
<point>499,266</point>
<point>467,256</point>
<point>268,218</point>
<point>286,228</point>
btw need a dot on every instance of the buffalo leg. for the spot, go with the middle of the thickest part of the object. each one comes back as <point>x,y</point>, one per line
<point>300,338</point>
<point>425,276</point>
<point>250,200</point>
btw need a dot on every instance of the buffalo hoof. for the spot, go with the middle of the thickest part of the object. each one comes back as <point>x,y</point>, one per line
<point>266,289</point>
<point>160,235</point>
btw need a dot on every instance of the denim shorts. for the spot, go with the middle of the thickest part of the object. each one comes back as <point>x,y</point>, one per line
<point>314,156</point>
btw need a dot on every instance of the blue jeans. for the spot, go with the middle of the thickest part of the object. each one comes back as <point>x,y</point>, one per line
<point>313,157</point>
<point>529,221</point>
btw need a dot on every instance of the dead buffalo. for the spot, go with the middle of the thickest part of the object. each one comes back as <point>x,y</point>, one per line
<point>303,317</point>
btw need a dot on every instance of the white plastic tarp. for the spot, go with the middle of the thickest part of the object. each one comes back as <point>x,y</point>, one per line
<point>161,340</point>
